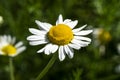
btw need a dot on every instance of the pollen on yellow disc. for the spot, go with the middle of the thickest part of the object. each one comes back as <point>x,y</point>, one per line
<point>9,49</point>
<point>60,34</point>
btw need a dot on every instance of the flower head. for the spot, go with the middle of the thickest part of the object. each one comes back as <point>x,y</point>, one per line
<point>102,36</point>
<point>61,37</point>
<point>8,46</point>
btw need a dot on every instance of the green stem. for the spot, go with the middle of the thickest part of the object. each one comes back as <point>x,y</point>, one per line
<point>48,66</point>
<point>11,68</point>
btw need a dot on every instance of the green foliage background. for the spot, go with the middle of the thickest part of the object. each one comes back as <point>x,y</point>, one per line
<point>87,64</point>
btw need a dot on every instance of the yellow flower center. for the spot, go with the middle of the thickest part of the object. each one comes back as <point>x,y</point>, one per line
<point>60,34</point>
<point>9,49</point>
<point>104,36</point>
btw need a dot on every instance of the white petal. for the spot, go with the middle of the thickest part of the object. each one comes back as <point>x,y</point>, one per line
<point>67,20</point>
<point>36,31</point>
<point>9,39</point>
<point>54,48</point>
<point>60,20</point>
<point>41,50</point>
<point>78,29</point>
<point>5,38</point>
<point>13,40</point>
<point>36,37</point>
<point>72,24</point>
<point>82,38</point>
<point>61,53</point>
<point>37,42</point>
<point>47,49</point>
<point>43,25</point>
<point>50,47</point>
<point>75,46</point>
<point>19,44</point>
<point>84,32</point>
<point>21,49</point>
<point>69,51</point>
<point>4,43</point>
<point>80,43</point>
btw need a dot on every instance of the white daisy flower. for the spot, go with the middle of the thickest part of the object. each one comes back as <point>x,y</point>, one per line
<point>61,37</point>
<point>101,36</point>
<point>8,46</point>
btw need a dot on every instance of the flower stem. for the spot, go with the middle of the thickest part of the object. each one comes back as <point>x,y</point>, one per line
<point>11,68</point>
<point>48,66</point>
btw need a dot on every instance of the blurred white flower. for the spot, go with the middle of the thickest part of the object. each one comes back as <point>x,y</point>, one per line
<point>102,49</point>
<point>1,19</point>
<point>118,48</point>
<point>62,37</point>
<point>8,46</point>
<point>117,69</point>
<point>101,38</point>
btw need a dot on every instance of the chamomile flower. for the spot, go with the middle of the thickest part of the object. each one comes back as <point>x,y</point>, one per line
<point>102,36</point>
<point>61,37</point>
<point>8,46</point>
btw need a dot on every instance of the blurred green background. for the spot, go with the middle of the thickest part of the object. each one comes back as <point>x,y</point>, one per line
<point>94,62</point>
